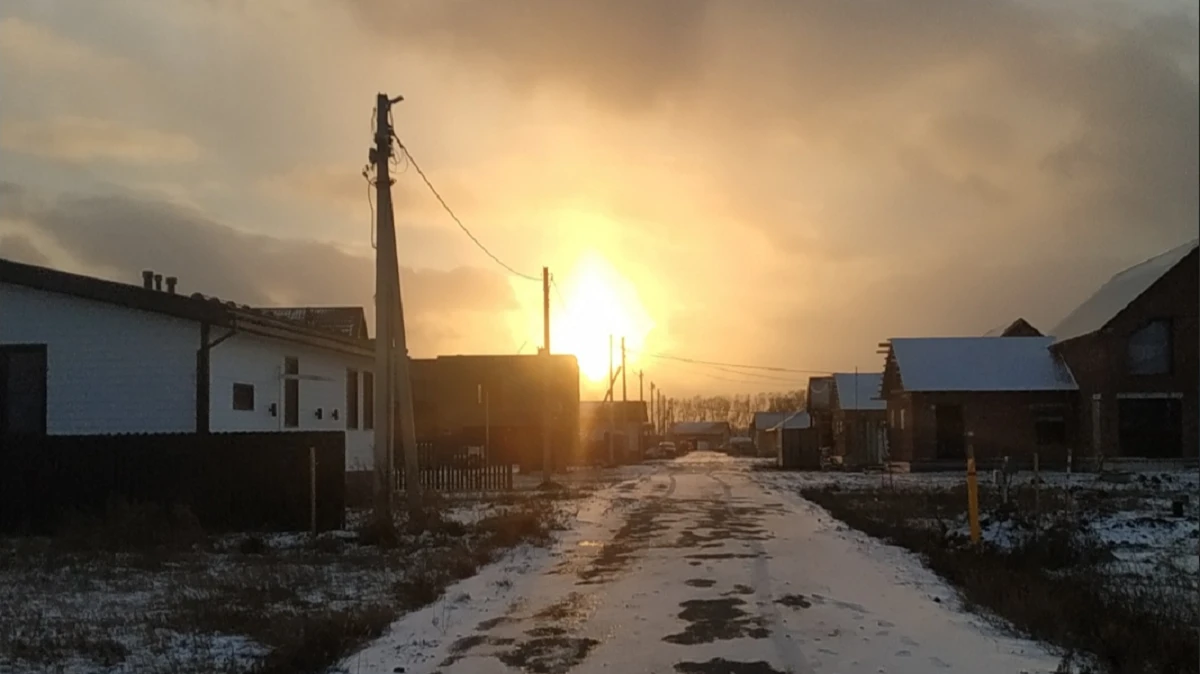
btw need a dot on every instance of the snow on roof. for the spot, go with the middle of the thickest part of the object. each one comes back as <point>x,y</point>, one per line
<point>980,364</point>
<point>799,419</point>
<point>1122,289</point>
<point>859,391</point>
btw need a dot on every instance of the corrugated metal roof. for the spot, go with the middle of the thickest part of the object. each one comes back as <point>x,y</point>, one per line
<point>859,391</point>
<point>795,420</point>
<point>980,364</point>
<point>348,321</point>
<point>766,420</point>
<point>1122,289</point>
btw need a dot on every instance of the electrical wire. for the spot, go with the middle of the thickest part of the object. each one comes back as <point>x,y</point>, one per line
<point>558,293</point>
<point>446,207</point>
<point>766,368</point>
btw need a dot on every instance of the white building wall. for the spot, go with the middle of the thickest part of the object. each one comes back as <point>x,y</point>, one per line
<point>258,361</point>
<point>109,369</point>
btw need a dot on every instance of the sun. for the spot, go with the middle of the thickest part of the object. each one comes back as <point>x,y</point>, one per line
<point>597,301</point>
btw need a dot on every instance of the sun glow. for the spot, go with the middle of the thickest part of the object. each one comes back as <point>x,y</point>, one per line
<point>597,302</point>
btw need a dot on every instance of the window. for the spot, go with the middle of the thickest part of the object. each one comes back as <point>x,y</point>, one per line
<point>901,419</point>
<point>351,398</point>
<point>23,389</point>
<point>1150,349</point>
<point>892,418</point>
<point>1050,424</point>
<point>243,397</point>
<point>368,397</point>
<point>291,392</point>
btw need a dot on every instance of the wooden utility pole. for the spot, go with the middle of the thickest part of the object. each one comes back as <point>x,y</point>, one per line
<point>548,376</point>
<point>393,384</point>
<point>641,389</point>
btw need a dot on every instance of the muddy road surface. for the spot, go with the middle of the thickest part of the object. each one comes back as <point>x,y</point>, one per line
<point>694,566</point>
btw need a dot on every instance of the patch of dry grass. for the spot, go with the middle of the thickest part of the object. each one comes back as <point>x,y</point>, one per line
<point>147,592</point>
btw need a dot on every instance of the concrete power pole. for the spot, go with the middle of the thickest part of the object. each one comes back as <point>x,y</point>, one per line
<point>653,419</point>
<point>393,383</point>
<point>612,403</point>
<point>549,372</point>
<point>624,397</point>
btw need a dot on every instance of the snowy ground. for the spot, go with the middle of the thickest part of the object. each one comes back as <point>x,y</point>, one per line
<point>1133,519</point>
<point>221,604</point>
<point>700,566</point>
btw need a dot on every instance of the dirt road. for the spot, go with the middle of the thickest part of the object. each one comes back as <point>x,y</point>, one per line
<point>694,566</point>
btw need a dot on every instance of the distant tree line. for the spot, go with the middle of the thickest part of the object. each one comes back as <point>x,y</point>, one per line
<point>739,409</point>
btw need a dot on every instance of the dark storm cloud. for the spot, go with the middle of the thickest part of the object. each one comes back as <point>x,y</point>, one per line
<point>830,69</point>
<point>126,234</point>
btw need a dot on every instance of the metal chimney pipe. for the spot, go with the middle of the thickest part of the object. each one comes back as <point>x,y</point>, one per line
<point>172,281</point>
<point>148,279</point>
<point>158,281</point>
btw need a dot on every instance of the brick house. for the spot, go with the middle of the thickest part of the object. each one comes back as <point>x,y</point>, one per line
<point>1006,395</point>
<point>499,398</point>
<point>1132,347</point>
<point>859,418</point>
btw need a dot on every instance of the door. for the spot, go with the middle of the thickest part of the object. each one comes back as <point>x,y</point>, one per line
<point>23,389</point>
<point>951,432</point>
<point>1150,427</point>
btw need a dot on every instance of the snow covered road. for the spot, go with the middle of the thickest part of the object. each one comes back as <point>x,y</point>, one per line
<point>695,566</point>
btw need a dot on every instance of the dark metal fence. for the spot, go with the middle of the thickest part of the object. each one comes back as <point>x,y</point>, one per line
<point>230,481</point>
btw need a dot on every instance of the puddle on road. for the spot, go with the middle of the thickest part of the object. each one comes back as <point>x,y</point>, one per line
<point>700,582</point>
<point>723,666</point>
<point>794,601</point>
<point>549,655</point>
<point>738,589</point>
<point>492,623</point>
<point>717,619</point>
<point>724,555</point>
<point>569,609</point>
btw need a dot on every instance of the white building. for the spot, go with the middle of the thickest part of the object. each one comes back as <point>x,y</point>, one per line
<point>80,355</point>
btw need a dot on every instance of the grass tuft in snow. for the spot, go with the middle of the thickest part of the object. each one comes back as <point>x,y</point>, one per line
<point>1048,576</point>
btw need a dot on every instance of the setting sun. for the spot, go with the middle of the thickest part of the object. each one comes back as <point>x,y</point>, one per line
<point>599,302</point>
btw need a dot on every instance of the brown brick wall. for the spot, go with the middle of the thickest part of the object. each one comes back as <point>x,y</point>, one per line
<point>1000,424</point>
<point>1098,360</point>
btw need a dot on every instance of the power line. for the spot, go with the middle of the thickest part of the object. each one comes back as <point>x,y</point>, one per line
<point>766,368</point>
<point>558,293</point>
<point>412,160</point>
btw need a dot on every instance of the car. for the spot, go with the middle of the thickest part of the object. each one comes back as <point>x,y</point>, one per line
<point>667,450</point>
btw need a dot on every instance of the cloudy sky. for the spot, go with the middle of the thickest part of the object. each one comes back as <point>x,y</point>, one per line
<point>785,183</point>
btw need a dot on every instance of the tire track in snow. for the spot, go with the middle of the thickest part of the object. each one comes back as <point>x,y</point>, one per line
<point>787,650</point>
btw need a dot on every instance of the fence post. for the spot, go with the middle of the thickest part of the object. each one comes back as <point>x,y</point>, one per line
<point>972,492</point>
<point>312,490</point>
<point>1037,497</point>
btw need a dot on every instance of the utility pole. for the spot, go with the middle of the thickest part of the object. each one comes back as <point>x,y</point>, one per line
<point>549,372</point>
<point>653,419</point>
<point>393,383</point>
<point>612,403</point>
<point>624,397</point>
<point>641,389</point>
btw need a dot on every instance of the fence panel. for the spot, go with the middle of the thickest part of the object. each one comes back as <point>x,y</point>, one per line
<point>229,480</point>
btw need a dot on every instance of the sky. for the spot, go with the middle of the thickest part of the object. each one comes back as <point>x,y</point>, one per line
<point>768,182</point>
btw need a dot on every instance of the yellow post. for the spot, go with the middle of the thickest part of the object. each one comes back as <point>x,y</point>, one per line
<point>972,493</point>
